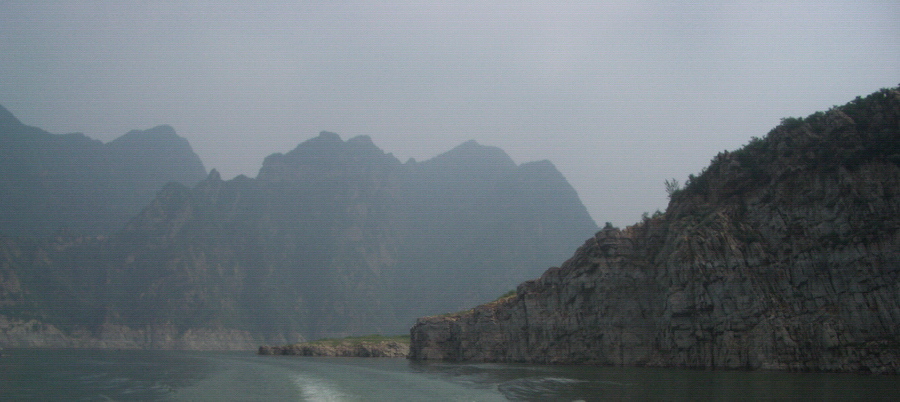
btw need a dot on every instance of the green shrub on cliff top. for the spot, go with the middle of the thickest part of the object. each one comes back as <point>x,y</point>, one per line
<point>357,340</point>
<point>872,134</point>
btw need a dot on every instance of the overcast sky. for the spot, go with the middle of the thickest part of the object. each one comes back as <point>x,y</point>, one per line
<point>618,95</point>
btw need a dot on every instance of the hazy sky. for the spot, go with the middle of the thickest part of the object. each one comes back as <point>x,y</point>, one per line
<point>618,95</point>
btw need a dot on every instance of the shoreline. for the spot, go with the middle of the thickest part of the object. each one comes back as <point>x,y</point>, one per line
<point>364,346</point>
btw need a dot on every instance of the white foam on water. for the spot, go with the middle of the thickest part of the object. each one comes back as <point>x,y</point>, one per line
<point>314,389</point>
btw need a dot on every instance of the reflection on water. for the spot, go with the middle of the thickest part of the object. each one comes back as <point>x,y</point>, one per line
<point>571,383</point>
<point>154,375</point>
<point>67,374</point>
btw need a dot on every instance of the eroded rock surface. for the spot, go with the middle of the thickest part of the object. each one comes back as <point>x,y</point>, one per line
<point>782,255</point>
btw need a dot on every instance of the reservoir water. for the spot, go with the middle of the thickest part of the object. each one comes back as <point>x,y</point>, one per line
<point>101,375</point>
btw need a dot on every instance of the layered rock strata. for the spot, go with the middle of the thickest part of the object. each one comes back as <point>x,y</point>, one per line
<point>782,255</point>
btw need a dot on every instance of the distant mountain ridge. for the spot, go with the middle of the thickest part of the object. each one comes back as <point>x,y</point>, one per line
<point>332,238</point>
<point>51,182</point>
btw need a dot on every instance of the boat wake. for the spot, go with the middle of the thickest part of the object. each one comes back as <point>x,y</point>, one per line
<point>315,389</point>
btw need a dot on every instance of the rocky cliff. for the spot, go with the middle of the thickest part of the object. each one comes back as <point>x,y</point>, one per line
<point>51,183</point>
<point>784,254</point>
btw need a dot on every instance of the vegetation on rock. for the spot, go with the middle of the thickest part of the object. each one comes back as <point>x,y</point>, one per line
<point>784,254</point>
<point>356,346</point>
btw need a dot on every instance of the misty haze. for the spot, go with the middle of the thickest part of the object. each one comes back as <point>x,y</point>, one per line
<point>206,200</point>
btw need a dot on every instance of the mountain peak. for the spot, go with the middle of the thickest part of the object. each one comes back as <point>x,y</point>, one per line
<point>326,140</point>
<point>163,129</point>
<point>328,136</point>
<point>214,175</point>
<point>361,140</point>
<point>7,118</point>
<point>323,153</point>
<point>541,165</point>
<point>156,133</point>
<point>473,154</point>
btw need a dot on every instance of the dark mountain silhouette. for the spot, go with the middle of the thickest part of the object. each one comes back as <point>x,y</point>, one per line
<point>70,182</point>
<point>784,254</point>
<point>332,238</point>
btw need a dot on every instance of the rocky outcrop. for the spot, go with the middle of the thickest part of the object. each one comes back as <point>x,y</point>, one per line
<point>784,254</point>
<point>340,348</point>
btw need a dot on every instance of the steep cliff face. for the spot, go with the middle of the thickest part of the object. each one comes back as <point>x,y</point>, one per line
<point>50,183</point>
<point>783,255</point>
